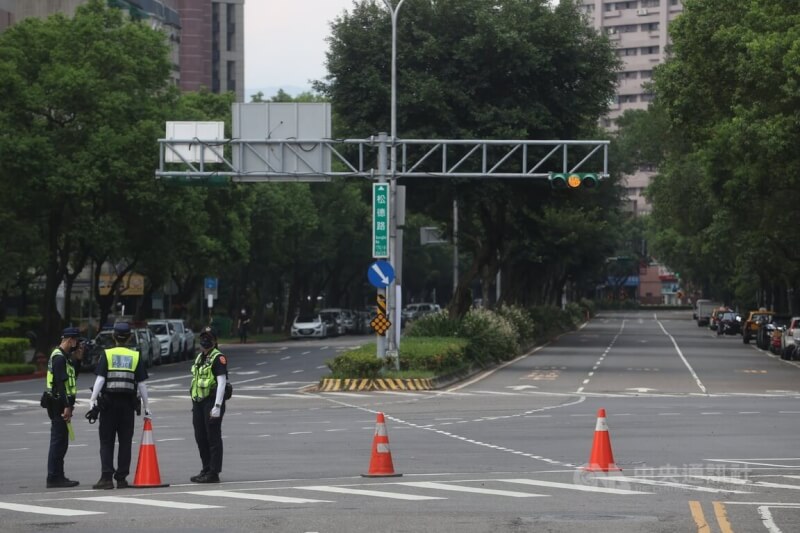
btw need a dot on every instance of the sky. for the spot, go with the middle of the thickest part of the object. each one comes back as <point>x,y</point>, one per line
<point>285,43</point>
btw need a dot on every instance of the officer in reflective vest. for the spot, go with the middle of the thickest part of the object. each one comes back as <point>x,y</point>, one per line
<point>120,374</point>
<point>61,389</point>
<point>209,376</point>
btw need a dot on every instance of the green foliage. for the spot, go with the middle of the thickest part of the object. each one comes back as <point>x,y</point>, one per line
<point>440,355</point>
<point>16,369</point>
<point>728,185</point>
<point>491,337</point>
<point>521,320</point>
<point>19,326</point>
<point>360,363</point>
<point>433,325</point>
<point>13,350</point>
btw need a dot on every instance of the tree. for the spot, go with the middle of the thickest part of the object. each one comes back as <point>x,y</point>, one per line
<point>477,69</point>
<point>80,96</point>
<point>729,186</point>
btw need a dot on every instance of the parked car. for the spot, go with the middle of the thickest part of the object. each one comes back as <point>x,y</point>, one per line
<point>774,331</point>
<point>415,311</point>
<point>168,337</point>
<point>155,345</point>
<point>138,341</point>
<point>791,339</point>
<point>186,339</point>
<point>141,343</point>
<point>190,341</point>
<point>715,316</point>
<point>754,320</point>
<point>335,321</point>
<point>309,326</point>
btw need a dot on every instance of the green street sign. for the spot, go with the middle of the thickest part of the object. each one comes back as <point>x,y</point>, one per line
<point>380,220</point>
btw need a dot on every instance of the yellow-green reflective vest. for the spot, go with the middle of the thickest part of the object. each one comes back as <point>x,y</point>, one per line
<point>122,363</point>
<point>203,378</point>
<point>71,385</point>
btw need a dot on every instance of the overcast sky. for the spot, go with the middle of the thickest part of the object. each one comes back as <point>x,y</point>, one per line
<point>285,43</point>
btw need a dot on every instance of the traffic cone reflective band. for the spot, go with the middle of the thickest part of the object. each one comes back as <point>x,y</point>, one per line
<point>380,465</point>
<point>601,458</point>
<point>147,468</point>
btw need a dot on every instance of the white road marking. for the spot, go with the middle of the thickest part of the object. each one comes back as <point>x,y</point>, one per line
<point>460,488</point>
<point>37,509</point>
<point>152,503</point>
<point>571,486</point>
<point>375,493</point>
<point>259,497</point>
<point>685,362</point>
<point>659,483</point>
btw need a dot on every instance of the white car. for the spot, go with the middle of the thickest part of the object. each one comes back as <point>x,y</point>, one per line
<point>169,339</point>
<point>309,326</point>
<point>187,339</point>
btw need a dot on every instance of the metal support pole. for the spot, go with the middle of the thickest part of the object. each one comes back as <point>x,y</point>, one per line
<point>455,246</point>
<point>383,171</point>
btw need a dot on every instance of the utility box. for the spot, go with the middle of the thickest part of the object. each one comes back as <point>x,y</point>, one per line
<point>285,124</point>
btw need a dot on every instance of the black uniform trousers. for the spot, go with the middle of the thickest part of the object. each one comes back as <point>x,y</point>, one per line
<point>208,434</point>
<point>59,443</point>
<point>116,422</point>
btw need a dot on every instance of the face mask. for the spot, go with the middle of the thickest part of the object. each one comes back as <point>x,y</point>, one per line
<point>206,342</point>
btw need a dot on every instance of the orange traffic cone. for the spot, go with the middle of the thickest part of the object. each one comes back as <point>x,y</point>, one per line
<point>601,459</point>
<point>380,465</point>
<point>147,475</point>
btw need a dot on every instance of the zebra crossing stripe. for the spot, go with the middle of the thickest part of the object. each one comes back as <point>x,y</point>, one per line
<point>249,496</point>
<point>40,509</point>
<point>375,493</point>
<point>571,486</point>
<point>461,488</point>
<point>685,486</point>
<point>152,503</point>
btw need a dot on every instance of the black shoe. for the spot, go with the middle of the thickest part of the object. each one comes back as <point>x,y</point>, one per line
<point>62,483</point>
<point>122,484</point>
<point>194,479</point>
<point>103,484</point>
<point>207,478</point>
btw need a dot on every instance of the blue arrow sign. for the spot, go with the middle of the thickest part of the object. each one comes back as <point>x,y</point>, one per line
<point>380,274</point>
<point>211,283</point>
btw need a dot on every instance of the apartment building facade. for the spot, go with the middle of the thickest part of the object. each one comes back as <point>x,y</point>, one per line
<point>638,30</point>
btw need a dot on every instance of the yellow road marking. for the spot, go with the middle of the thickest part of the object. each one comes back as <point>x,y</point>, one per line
<point>722,517</point>
<point>699,519</point>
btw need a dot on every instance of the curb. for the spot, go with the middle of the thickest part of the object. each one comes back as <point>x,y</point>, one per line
<point>385,384</point>
<point>23,377</point>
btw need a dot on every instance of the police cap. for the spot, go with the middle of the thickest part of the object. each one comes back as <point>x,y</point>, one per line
<point>71,332</point>
<point>122,329</point>
<point>208,331</point>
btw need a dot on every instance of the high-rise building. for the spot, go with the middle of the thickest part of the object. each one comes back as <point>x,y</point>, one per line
<point>206,37</point>
<point>212,45</point>
<point>638,29</point>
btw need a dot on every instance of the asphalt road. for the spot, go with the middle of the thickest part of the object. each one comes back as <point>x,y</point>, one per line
<point>705,430</point>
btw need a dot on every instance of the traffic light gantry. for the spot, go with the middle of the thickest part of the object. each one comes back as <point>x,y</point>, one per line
<point>573,180</point>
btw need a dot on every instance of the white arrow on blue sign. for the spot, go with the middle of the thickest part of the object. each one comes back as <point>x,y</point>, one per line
<point>380,274</point>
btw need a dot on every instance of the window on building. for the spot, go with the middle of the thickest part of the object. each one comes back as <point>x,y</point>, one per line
<point>626,98</point>
<point>646,74</point>
<point>627,75</point>
<point>649,50</point>
<point>627,51</point>
<point>651,3</point>
<point>230,34</point>
<point>647,97</point>
<point>612,6</point>
<point>650,26</point>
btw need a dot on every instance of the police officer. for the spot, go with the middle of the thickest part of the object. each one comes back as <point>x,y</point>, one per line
<point>209,376</point>
<point>62,388</point>
<point>119,375</point>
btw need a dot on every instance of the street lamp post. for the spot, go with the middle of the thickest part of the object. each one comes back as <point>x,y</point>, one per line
<point>394,246</point>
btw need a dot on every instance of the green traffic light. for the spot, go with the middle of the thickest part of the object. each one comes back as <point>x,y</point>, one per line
<point>558,180</point>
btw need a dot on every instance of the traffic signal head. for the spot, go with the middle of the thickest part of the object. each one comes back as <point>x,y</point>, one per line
<point>573,180</point>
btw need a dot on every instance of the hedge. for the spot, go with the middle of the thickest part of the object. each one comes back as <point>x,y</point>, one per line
<point>19,326</point>
<point>13,350</point>
<point>12,369</point>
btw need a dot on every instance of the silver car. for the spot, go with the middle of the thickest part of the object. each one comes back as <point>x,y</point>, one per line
<point>309,326</point>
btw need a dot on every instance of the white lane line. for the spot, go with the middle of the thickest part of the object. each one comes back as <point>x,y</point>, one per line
<point>723,479</point>
<point>602,357</point>
<point>239,382</point>
<point>167,440</point>
<point>672,484</point>
<point>570,486</point>
<point>26,402</point>
<point>300,433</point>
<point>36,509</point>
<point>680,353</point>
<point>297,371</point>
<point>766,519</point>
<point>259,497</point>
<point>285,358</point>
<point>375,493</point>
<point>152,503</point>
<point>460,488</point>
<point>777,485</point>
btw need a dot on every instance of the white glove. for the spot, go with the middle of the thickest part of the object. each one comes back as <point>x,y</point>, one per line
<point>148,413</point>
<point>92,403</point>
<point>215,412</point>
